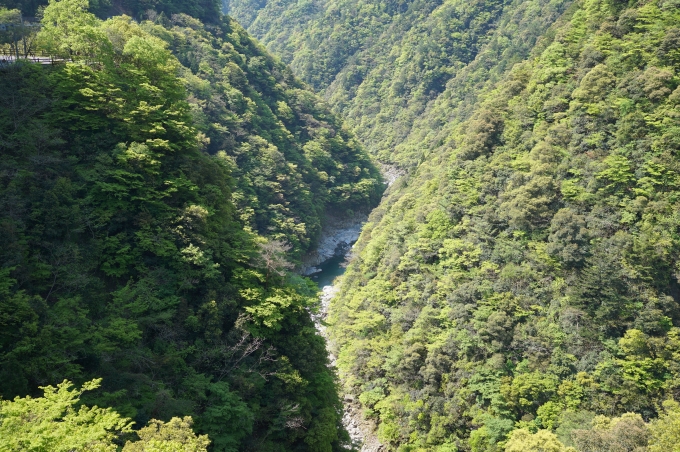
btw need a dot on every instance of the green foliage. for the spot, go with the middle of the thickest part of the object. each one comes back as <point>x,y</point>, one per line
<point>628,432</point>
<point>55,422</point>
<point>58,422</point>
<point>665,431</point>
<point>70,31</point>
<point>227,418</point>
<point>11,18</point>
<point>174,435</point>
<point>383,64</point>
<point>17,34</point>
<point>205,10</point>
<point>523,275</point>
<point>292,159</point>
<point>128,251</point>
<point>542,441</point>
<point>569,421</point>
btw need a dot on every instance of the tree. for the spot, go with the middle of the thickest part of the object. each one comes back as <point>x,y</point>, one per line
<point>272,258</point>
<point>665,431</point>
<point>568,239</point>
<point>522,440</point>
<point>69,30</point>
<point>58,422</point>
<point>172,436</point>
<point>626,433</point>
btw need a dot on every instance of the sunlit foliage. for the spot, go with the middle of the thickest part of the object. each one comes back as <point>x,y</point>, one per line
<point>524,275</point>
<point>128,252</point>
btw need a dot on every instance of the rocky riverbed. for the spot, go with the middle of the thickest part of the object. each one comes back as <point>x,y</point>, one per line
<point>360,431</point>
<point>340,233</point>
<point>323,265</point>
<point>337,237</point>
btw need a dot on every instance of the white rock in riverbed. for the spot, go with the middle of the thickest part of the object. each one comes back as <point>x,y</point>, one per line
<point>390,173</point>
<point>339,232</point>
<point>359,431</point>
<point>311,271</point>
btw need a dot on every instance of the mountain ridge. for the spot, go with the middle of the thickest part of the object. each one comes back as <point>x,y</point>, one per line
<point>496,292</point>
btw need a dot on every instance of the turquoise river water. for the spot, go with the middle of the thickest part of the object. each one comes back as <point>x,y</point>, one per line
<point>330,269</point>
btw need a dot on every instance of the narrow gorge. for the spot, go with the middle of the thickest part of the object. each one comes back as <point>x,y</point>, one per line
<point>514,288</point>
<point>484,195</point>
<point>326,263</point>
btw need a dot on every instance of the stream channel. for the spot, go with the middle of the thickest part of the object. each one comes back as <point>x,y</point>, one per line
<point>325,264</point>
<point>330,269</point>
<point>324,275</point>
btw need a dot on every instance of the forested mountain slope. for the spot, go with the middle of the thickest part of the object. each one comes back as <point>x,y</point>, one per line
<point>524,277</point>
<point>154,190</point>
<point>382,64</point>
<point>293,160</point>
<point>205,10</point>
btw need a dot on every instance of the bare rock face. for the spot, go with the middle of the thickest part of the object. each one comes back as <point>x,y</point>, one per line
<point>390,173</point>
<point>337,237</point>
<point>340,233</point>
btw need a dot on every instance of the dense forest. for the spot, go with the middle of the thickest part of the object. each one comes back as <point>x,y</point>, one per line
<point>516,289</point>
<point>382,64</point>
<point>519,288</point>
<point>159,183</point>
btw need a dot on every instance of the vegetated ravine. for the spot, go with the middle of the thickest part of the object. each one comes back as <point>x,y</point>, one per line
<point>325,274</point>
<point>336,244</point>
<point>156,185</point>
<point>519,289</point>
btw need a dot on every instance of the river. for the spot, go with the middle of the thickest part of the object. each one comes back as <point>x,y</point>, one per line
<point>329,270</point>
<point>325,264</point>
<point>325,273</point>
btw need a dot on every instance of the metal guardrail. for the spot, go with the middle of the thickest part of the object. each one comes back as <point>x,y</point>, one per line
<point>10,26</point>
<point>34,57</point>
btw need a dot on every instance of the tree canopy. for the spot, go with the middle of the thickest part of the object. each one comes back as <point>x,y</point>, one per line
<point>522,278</point>
<point>56,423</point>
<point>150,183</point>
